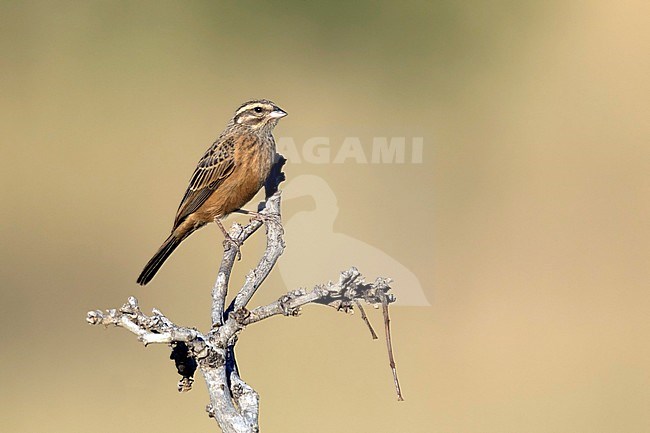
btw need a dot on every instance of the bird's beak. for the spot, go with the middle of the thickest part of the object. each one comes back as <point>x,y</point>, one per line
<point>277,113</point>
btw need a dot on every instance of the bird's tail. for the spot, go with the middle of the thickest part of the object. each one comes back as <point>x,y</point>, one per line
<point>159,258</point>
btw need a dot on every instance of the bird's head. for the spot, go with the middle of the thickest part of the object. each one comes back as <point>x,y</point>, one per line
<point>260,114</point>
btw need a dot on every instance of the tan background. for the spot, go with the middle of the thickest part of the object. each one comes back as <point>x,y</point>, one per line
<point>528,222</point>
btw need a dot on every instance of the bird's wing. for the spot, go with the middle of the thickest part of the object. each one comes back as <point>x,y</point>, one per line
<point>216,164</point>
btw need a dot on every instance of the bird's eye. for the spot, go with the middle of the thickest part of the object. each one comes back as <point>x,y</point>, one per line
<point>257,109</point>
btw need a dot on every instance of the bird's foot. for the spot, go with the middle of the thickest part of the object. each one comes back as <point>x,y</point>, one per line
<point>265,217</point>
<point>230,242</point>
<point>260,216</point>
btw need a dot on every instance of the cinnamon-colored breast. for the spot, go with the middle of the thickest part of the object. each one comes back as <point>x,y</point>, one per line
<point>253,162</point>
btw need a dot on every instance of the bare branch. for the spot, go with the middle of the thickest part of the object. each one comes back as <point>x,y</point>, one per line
<point>233,403</point>
<point>350,289</point>
<point>389,346</point>
<point>274,248</point>
<point>149,329</point>
<point>220,289</point>
<point>248,401</point>
<point>365,319</point>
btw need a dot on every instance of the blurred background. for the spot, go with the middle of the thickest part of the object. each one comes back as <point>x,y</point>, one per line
<point>526,223</point>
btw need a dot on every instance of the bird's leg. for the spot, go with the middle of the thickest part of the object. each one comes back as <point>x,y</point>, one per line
<point>257,215</point>
<point>229,240</point>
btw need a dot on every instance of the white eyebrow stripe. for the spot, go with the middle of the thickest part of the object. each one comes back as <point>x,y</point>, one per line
<point>253,105</point>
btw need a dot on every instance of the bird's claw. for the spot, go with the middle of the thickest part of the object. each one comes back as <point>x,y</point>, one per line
<point>228,242</point>
<point>264,217</point>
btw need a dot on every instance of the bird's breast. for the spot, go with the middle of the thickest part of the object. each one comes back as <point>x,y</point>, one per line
<point>253,161</point>
<point>255,158</point>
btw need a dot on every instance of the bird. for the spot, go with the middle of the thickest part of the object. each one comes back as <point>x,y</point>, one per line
<point>229,174</point>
